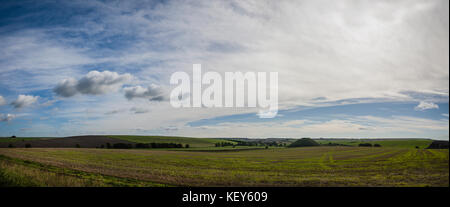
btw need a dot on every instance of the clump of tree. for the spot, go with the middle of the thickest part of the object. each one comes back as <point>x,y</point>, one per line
<point>304,142</point>
<point>122,146</point>
<point>365,145</point>
<point>27,145</point>
<point>10,146</point>
<point>334,144</point>
<point>187,146</point>
<point>438,145</point>
<point>165,145</point>
<point>377,145</point>
<point>223,144</point>
<point>250,143</point>
<point>147,145</point>
<point>142,145</point>
<point>77,146</point>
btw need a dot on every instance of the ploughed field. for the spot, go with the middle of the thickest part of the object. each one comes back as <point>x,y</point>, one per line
<point>304,166</point>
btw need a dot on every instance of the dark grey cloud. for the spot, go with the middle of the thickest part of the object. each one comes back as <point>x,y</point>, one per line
<point>153,93</point>
<point>66,88</point>
<point>94,83</point>
<point>24,101</point>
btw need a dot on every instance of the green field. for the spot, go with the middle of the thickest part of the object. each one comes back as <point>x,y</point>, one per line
<point>193,142</point>
<point>307,166</point>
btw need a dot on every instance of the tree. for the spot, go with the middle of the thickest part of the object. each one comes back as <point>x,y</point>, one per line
<point>77,146</point>
<point>187,145</point>
<point>122,146</point>
<point>27,145</point>
<point>10,145</point>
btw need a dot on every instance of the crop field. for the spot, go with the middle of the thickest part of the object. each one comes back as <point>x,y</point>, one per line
<point>304,166</point>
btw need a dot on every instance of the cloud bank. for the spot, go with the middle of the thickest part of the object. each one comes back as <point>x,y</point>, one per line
<point>94,83</point>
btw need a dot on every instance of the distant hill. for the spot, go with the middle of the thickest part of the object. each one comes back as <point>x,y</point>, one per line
<point>65,142</point>
<point>392,142</point>
<point>193,142</point>
<point>98,141</point>
<point>304,142</point>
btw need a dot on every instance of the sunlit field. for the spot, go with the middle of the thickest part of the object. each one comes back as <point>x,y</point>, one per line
<point>306,166</point>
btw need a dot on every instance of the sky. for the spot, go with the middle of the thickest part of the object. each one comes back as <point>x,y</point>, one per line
<point>353,69</point>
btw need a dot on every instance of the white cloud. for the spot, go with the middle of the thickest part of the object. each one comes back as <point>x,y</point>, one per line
<point>7,117</point>
<point>2,101</point>
<point>424,105</point>
<point>93,83</point>
<point>446,115</point>
<point>24,101</point>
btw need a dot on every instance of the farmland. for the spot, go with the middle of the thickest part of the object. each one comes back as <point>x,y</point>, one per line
<point>211,166</point>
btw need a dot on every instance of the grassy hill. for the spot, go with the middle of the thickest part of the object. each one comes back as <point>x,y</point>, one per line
<point>193,142</point>
<point>402,143</point>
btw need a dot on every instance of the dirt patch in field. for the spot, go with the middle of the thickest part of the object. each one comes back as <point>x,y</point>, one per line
<point>66,142</point>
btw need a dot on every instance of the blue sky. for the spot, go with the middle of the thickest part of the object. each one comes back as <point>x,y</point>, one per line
<point>367,69</point>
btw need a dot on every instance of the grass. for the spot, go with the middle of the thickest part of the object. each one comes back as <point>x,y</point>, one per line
<point>24,173</point>
<point>312,166</point>
<point>401,143</point>
<point>193,142</point>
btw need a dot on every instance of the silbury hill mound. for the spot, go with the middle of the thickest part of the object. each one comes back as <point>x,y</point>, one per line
<point>304,142</point>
